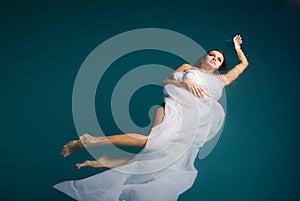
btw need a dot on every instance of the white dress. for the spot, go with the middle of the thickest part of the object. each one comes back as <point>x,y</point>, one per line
<point>164,169</point>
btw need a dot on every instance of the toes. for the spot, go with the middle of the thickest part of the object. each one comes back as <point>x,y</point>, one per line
<point>78,165</point>
<point>87,163</point>
<point>71,146</point>
<point>84,164</point>
<point>65,153</point>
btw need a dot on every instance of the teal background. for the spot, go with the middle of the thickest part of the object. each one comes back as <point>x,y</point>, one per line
<point>43,44</point>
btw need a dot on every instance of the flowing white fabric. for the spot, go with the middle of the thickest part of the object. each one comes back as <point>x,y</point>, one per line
<point>164,169</point>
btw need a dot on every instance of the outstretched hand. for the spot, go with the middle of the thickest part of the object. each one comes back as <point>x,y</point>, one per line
<point>237,41</point>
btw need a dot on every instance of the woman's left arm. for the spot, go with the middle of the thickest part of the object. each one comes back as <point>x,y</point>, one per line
<point>235,72</point>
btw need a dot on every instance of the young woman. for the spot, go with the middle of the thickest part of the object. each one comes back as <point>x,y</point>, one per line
<point>190,117</point>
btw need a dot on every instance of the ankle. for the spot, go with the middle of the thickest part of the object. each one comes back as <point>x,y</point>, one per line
<point>101,140</point>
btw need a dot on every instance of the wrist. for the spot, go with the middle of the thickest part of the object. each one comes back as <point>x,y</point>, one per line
<point>182,83</point>
<point>175,82</point>
<point>237,47</point>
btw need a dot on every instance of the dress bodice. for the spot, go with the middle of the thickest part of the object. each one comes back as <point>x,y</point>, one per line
<point>210,83</point>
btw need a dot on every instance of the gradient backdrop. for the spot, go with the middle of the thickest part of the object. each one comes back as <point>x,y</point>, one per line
<point>43,44</point>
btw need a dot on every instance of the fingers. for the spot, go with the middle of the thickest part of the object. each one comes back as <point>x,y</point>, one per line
<point>237,39</point>
<point>204,93</point>
<point>198,92</point>
<point>195,89</point>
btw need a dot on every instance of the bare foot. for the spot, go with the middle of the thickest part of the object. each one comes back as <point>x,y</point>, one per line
<point>101,162</point>
<point>71,147</point>
<point>105,162</point>
<point>83,141</point>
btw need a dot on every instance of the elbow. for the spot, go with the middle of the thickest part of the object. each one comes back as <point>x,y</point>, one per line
<point>164,82</point>
<point>245,63</point>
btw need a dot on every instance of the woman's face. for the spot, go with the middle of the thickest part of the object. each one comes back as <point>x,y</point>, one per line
<point>213,59</point>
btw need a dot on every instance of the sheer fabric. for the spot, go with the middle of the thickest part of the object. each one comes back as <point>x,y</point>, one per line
<point>164,169</point>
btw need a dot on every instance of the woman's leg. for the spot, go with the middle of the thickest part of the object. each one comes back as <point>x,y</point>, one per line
<point>105,162</point>
<point>158,116</point>
<point>86,140</point>
<point>130,139</point>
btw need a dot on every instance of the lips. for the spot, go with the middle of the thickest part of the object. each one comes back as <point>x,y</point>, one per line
<point>213,62</point>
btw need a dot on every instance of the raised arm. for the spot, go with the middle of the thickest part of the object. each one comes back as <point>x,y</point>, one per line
<point>235,72</point>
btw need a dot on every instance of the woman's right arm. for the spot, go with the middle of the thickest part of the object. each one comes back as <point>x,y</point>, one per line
<point>170,79</point>
<point>189,85</point>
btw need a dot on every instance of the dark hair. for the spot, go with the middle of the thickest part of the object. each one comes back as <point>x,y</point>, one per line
<point>224,64</point>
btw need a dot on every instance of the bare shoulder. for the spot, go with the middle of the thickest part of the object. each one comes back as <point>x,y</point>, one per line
<point>189,66</point>
<point>184,67</point>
